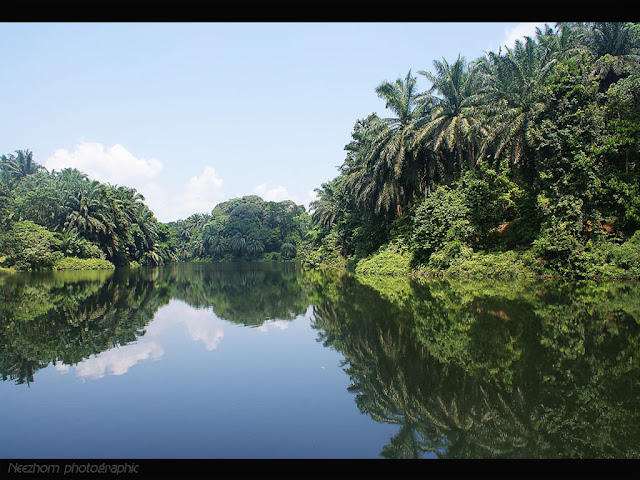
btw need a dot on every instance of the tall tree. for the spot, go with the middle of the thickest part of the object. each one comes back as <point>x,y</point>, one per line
<point>615,45</point>
<point>15,167</point>
<point>454,122</point>
<point>393,169</point>
<point>512,96</point>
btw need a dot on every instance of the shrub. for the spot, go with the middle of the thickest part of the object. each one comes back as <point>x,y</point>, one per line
<point>441,218</point>
<point>28,246</point>
<point>450,253</point>
<point>627,255</point>
<point>73,245</point>
<point>391,259</point>
<point>75,263</point>
<point>457,260</point>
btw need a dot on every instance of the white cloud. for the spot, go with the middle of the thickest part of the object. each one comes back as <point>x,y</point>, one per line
<point>118,166</point>
<point>202,192</point>
<point>199,194</point>
<point>115,164</point>
<point>201,325</point>
<point>519,31</point>
<point>276,194</point>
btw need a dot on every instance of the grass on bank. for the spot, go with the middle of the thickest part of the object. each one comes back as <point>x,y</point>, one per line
<point>600,260</point>
<point>75,263</point>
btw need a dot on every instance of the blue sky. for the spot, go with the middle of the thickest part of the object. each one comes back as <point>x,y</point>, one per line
<point>192,114</point>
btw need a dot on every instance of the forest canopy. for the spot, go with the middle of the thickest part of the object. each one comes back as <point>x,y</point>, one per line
<point>47,216</point>
<point>247,228</point>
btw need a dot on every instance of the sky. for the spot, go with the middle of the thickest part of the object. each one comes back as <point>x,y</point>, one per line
<point>194,114</point>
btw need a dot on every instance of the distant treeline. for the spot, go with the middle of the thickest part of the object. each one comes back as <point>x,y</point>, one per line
<point>248,228</point>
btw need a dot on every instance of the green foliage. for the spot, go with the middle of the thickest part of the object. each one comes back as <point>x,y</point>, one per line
<point>532,150</point>
<point>28,246</point>
<point>326,255</point>
<point>74,263</point>
<point>529,153</point>
<point>441,218</point>
<point>288,250</point>
<point>90,219</point>
<point>246,228</point>
<point>627,255</point>
<point>71,244</point>
<point>391,259</point>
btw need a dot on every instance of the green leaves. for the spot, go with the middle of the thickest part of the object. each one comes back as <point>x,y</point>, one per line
<point>242,228</point>
<point>92,219</point>
<point>28,246</point>
<point>440,219</point>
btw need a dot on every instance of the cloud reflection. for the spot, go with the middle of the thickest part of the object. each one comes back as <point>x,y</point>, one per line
<point>201,326</point>
<point>116,361</point>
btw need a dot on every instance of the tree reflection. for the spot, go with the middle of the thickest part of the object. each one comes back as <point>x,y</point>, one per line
<point>465,369</point>
<point>66,317</point>
<point>243,293</point>
<point>490,370</point>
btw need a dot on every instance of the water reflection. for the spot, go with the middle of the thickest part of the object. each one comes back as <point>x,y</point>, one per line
<point>465,369</point>
<point>76,318</point>
<point>247,294</point>
<point>486,370</point>
<point>66,317</point>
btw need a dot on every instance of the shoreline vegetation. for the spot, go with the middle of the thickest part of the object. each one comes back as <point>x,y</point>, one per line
<point>521,163</point>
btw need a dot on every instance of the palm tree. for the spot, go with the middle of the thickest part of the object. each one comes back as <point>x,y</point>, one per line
<point>288,250</point>
<point>89,215</point>
<point>455,120</point>
<point>511,92</point>
<point>148,225</point>
<point>325,209</point>
<point>16,167</point>
<point>614,45</point>
<point>391,164</point>
<point>560,41</point>
<point>239,243</point>
<point>254,245</point>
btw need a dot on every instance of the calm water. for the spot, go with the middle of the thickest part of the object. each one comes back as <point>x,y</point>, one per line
<point>270,361</point>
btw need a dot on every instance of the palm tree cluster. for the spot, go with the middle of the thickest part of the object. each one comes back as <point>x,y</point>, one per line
<point>89,218</point>
<point>488,113</point>
<point>242,228</point>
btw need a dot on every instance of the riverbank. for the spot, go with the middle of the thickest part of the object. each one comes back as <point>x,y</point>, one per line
<point>74,263</point>
<point>601,261</point>
<point>6,271</point>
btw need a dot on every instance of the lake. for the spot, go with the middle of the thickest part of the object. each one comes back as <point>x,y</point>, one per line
<point>273,361</point>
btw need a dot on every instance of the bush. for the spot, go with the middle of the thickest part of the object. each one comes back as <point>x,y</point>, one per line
<point>73,245</point>
<point>450,253</point>
<point>441,218</point>
<point>28,246</point>
<point>627,256</point>
<point>391,259</point>
<point>457,260</point>
<point>328,255</point>
<point>75,263</point>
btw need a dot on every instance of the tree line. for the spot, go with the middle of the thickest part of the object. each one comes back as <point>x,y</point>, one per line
<point>48,216</point>
<point>532,149</point>
<point>248,228</point>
